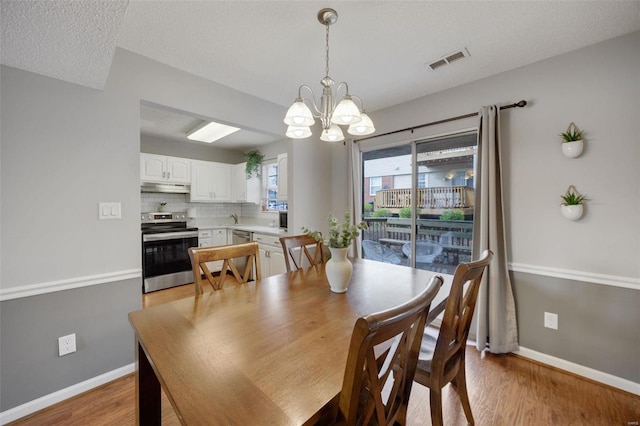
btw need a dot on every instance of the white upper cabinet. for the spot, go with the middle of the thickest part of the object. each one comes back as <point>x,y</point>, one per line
<point>163,169</point>
<point>282,177</point>
<point>244,190</point>
<point>201,181</point>
<point>210,181</point>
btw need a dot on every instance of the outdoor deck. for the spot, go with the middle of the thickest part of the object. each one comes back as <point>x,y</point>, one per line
<point>455,238</point>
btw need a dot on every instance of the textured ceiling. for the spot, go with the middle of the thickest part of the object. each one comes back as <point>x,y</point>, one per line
<point>269,48</point>
<point>68,40</point>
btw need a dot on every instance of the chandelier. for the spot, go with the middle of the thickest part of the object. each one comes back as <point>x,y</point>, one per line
<point>332,114</point>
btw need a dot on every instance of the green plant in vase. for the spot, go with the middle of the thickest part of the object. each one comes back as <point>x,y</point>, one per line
<point>340,235</point>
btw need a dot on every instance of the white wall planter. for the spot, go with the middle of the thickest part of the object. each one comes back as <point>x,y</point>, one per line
<point>572,212</point>
<point>572,149</point>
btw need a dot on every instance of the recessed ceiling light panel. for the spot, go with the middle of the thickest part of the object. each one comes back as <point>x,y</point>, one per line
<point>211,132</point>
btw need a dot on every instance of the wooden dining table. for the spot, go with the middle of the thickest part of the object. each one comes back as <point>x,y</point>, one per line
<point>268,352</point>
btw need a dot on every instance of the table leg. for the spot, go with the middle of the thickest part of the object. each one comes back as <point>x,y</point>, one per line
<point>148,402</point>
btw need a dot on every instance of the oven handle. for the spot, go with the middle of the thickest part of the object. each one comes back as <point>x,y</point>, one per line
<point>169,236</point>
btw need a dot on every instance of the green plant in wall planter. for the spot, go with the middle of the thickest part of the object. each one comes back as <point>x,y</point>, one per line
<point>572,207</point>
<point>254,163</point>
<point>572,141</point>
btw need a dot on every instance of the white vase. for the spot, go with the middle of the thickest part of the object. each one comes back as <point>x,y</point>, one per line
<point>572,212</point>
<point>572,149</point>
<point>338,270</point>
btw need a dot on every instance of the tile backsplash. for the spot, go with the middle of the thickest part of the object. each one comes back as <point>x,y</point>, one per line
<point>205,213</point>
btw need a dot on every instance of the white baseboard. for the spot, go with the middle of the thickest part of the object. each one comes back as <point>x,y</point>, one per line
<point>580,370</point>
<point>58,396</point>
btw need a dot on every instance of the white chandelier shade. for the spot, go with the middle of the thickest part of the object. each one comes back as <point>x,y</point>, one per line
<point>332,134</point>
<point>299,114</point>
<point>332,114</point>
<point>363,127</point>
<point>298,132</point>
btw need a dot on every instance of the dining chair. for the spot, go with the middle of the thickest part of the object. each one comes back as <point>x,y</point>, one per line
<point>442,358</point>
<point>201,255</point>
<point>381,362</point>
<point>295,246</point>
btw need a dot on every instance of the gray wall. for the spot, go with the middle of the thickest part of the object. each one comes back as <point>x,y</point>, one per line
<point>598,88</point>
<point>598,325</point>
<point>30,367</point>
<point>64,149</point>
<point>156,145</point>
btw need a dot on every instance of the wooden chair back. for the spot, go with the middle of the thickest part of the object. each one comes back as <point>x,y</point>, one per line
<point>383,354</point>
<point>443,363</point>
<point>201,255</point>
<point>296,245</point>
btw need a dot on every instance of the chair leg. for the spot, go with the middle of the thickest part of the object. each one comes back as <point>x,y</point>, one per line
<point>460,384</point>
<point>435,399</point>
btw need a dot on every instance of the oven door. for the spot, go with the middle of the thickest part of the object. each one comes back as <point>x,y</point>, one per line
<point>165,259</point>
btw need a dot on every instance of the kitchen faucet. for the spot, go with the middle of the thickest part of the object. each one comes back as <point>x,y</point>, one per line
<point>235,218</point>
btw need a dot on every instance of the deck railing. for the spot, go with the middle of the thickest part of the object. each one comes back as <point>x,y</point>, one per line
<point>455,236</point>
<point>442,197</point>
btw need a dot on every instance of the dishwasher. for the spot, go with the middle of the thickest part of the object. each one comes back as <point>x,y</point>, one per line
<point>237,237</point>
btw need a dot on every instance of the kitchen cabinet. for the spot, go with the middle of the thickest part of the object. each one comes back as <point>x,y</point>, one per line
<point>163,169</point>
<point>210,238</point>
<point>210,181</point>
<point>245,190</point>
<point>282,177</point>
<point>271,254</point>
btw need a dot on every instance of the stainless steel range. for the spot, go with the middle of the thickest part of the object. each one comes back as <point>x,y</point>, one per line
<point>165,241</point>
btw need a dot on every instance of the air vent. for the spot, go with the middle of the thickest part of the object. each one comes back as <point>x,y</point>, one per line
<point>448,59</point>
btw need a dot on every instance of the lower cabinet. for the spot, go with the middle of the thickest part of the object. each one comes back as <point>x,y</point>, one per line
<point>271,255</point>
<point>210,238</point>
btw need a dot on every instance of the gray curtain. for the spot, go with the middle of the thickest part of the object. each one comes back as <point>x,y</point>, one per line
<point>354,174</point>
<point>497,330</point>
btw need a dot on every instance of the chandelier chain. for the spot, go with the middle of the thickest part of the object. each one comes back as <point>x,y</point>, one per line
<point>327,51</point>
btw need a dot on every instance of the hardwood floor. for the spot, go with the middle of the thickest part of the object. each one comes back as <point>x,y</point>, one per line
<point>503,390</point>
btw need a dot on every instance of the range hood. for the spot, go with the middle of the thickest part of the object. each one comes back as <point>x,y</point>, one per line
<point>170,188</point>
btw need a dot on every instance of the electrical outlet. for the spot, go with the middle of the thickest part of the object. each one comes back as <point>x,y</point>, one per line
<point>67,344</point>
<point>551,320</point>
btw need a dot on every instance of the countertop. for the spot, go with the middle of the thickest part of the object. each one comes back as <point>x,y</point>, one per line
<point>269,230</point>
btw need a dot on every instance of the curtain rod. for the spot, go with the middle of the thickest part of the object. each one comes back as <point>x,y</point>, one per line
<point>446,120</point>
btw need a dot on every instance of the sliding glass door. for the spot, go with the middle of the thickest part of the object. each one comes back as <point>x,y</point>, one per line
<point>418,200</point>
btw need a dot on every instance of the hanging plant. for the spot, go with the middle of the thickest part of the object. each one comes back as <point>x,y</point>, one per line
<point>254,163</point>
<point>572,141</point>
<point>572,207</point>
<point>572,134</point>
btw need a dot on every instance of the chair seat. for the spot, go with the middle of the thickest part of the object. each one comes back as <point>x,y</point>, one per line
<point>427,347</point>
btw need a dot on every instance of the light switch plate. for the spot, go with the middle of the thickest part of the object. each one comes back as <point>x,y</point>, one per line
<point>551,320</point>
<point>109,211</point>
